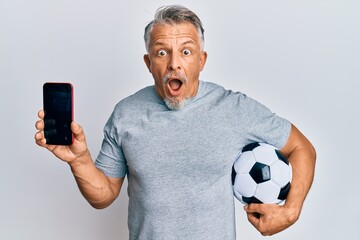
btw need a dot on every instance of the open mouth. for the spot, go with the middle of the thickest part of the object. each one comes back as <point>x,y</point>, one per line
<point>174,86</point>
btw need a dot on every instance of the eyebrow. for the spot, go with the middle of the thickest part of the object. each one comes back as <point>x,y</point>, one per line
<point>188,42</point>
<point>162,44</point>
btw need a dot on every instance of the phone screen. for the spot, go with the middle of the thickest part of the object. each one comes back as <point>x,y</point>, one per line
<point>58,107</point>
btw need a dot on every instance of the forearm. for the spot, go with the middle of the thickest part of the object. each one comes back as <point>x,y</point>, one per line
<point>302,160</point>
<point>93,184</point>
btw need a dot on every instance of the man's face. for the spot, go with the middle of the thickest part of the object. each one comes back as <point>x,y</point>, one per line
<point>175,60</point>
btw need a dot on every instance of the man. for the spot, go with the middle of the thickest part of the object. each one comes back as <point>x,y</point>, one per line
<point>176,142</point>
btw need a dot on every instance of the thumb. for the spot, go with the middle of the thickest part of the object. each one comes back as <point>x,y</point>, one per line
<point>78,132</point>
<point>253,215</point>
<point>253,208</point>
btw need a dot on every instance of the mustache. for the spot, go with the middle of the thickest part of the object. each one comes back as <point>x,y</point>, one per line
<point>173,74</point>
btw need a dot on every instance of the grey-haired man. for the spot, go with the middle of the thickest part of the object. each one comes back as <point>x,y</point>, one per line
<point>176,142</point>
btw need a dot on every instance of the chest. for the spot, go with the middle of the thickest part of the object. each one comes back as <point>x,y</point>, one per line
<point>197,146</point>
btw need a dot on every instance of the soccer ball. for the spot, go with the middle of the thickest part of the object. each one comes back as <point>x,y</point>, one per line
<point>261,174</point>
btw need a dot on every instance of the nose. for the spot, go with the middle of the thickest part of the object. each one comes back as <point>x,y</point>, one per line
<point>174,62</point>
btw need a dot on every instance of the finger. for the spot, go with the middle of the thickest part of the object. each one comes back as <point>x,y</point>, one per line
<point>39,125</point>
<point>39,139</point>
<point>254,208</point>
<point>78,132</point>
<point>41,143</point>
<point>39,135</point>
<point>254,220</point>
<point>41,114</point>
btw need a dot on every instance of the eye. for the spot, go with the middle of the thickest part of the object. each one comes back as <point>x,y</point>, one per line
<point>186,52</point>
<point>162,53</point>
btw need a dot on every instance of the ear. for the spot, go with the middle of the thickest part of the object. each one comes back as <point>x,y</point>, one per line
<point>147,62</point>
<point>203,58</point>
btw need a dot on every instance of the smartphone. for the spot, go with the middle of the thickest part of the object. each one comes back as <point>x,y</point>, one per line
<point>58,107</point>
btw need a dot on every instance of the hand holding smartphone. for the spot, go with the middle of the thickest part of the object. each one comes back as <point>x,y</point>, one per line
<point>58,107</point>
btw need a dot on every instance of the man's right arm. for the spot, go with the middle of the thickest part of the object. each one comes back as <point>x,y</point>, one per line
<point>98,189</point>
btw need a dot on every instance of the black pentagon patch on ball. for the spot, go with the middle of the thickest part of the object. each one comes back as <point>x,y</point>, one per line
<point>282,157</point>
<point>249,200</point>
<point>260,173</point>
<point>284,192</point>
<point>250,147</point>
<point>233,175</point>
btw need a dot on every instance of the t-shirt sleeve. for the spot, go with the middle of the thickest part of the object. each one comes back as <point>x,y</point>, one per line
<point>111,160</point>
<point>262,124</point>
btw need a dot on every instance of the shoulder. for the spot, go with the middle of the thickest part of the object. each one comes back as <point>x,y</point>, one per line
<point>222,95</point>
<point>133,108</point>
<point>147,94</point>
<point>210,87</point>
<point>142,99</point>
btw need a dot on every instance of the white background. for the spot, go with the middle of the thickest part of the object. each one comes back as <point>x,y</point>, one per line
<point>299,58</point>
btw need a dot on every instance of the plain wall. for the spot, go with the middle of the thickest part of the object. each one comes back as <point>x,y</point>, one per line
<point>299,58</point>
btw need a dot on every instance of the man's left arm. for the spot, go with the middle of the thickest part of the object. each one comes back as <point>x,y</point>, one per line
<point>269,219</point>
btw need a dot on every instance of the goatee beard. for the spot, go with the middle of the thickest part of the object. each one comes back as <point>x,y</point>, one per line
<point>172,102</point>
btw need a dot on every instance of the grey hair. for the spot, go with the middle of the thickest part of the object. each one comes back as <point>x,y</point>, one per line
<point>174,14</point>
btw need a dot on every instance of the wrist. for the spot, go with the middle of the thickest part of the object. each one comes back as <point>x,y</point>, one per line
<point>80,160</point>
<point>293,212</point>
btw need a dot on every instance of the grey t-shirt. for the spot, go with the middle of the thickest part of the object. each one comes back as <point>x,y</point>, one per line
<point>178,163</point>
